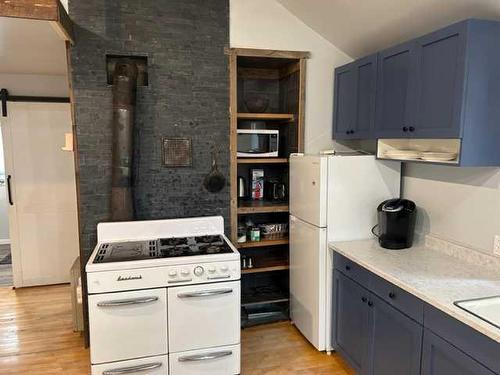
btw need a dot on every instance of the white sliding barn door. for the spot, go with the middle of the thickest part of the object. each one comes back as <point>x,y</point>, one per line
<point>43,214</point>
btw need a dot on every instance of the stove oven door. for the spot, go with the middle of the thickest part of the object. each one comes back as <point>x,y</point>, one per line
<point>204,316</point>
<point>127,325</point>
<point>223,360</point>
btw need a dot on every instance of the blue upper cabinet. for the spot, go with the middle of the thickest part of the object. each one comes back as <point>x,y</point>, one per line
<point>443,85</point>
<point>344,101</point>
<point>354,99</point>
<point>395,84</point>
<point>439,79</point>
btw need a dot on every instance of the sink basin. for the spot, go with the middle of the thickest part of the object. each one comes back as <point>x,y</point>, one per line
<point>487,308</point>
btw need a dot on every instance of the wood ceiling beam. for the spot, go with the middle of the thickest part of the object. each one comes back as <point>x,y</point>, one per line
<point>41,10</point>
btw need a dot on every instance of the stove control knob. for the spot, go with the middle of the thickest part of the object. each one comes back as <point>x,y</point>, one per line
<point>198,271</point>
<point>184,272</point>
<point>224,268</point>
<point>172,273</point>
<point>211,269</point>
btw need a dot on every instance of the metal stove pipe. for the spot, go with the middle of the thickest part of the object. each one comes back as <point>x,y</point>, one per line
<point>124,95</point>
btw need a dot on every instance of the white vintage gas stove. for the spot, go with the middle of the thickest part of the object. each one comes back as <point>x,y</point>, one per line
<point>164,298</point>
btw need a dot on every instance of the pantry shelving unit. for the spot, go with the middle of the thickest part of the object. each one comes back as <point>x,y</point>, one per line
<point>279,76</point>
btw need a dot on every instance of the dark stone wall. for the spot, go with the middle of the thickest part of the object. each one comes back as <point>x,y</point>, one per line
<point>187,96</point>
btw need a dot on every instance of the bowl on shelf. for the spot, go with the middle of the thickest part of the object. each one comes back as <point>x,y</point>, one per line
<point>256,104</point>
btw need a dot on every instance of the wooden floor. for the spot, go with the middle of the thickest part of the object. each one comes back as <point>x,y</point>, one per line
<point>36,337</point>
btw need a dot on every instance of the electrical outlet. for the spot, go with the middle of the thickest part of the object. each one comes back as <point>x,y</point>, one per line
<point>496,245</point>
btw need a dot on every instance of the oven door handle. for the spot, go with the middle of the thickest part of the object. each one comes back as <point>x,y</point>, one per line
<point>205,293</point>
<point>133,369</point>
<point>205,357</point>
<point>127,302</point>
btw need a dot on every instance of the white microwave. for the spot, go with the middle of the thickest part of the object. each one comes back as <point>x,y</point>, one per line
<point>257,143</point>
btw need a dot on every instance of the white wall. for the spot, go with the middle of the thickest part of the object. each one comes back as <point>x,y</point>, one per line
<point>457,204</point>
<point>267,24</point>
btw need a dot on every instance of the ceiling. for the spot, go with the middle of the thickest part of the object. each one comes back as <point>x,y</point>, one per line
<point>361,27</point>
<point>31,47</point>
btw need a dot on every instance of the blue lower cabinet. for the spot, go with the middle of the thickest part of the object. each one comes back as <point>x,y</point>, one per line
<point>382,330</point>
<point>395,341</point>
<point>351,321</point>
<point>442,358</point>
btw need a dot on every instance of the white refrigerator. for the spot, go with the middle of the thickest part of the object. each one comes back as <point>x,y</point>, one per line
<point>332,198</point>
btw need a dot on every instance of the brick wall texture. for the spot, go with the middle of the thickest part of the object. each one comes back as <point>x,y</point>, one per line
<point>187,96</point>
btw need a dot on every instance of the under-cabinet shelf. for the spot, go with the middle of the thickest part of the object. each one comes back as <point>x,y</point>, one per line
<point>258,207</point>
<point>282,267</point>
<point>262,243</point>
<point>266,116</point>
<point>262,160</point>
<point>265,298</point>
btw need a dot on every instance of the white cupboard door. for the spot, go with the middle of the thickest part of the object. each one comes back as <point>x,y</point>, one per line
<point>143,366</point>
<point>203,316</point>
<point>308,188</point>
<point>43,213</point>
<point>223,360</point>
<point>308,267</point>
<point>127,325</point>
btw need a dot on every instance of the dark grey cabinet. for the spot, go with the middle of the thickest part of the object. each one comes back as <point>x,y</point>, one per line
<point>442,358</point>
<point>374,337</point>
<point>395,341</point>
<point>395,85</point>
<point>354,100</point>
<point>351,321</point>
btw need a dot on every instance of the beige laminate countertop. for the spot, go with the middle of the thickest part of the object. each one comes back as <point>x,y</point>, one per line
<point>431,275</point>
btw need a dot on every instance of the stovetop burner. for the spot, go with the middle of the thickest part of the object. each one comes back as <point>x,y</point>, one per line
<point>161,248</point>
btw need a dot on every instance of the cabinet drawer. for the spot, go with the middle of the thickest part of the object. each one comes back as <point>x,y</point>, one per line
<point>146,366</point>
<point>397,297</point>
<point>223,360</point>
<point>351,269</point>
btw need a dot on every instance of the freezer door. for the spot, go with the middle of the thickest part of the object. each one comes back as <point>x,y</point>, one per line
<point>308,188</point>
<point>308,281</point>
<point>356,186</point>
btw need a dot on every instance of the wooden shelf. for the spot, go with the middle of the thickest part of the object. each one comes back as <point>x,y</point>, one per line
<point>266,116</point>
<point>251,244</point>
<point>265,269</point>
<point>258,207</point>
<point>262,160</point>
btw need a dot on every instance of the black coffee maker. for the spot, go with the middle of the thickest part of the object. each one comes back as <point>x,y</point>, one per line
<point>396,223</point>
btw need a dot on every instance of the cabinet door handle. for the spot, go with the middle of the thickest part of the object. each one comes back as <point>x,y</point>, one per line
<point>127,302</point>
<point>392,295</point>
<point>348,267</point>
<point>411,128</point>
<point>370,303</point>
<point>205,357</point>
<point>364,299</point>
<point>133,369</point>
<point>204,293</point>
<point>405,129</point>
<point>9,192</point>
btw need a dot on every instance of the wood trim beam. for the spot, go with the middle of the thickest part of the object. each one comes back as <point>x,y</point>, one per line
<point>40,10</point>
<point>252,52</point>
<point>233,142</point>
